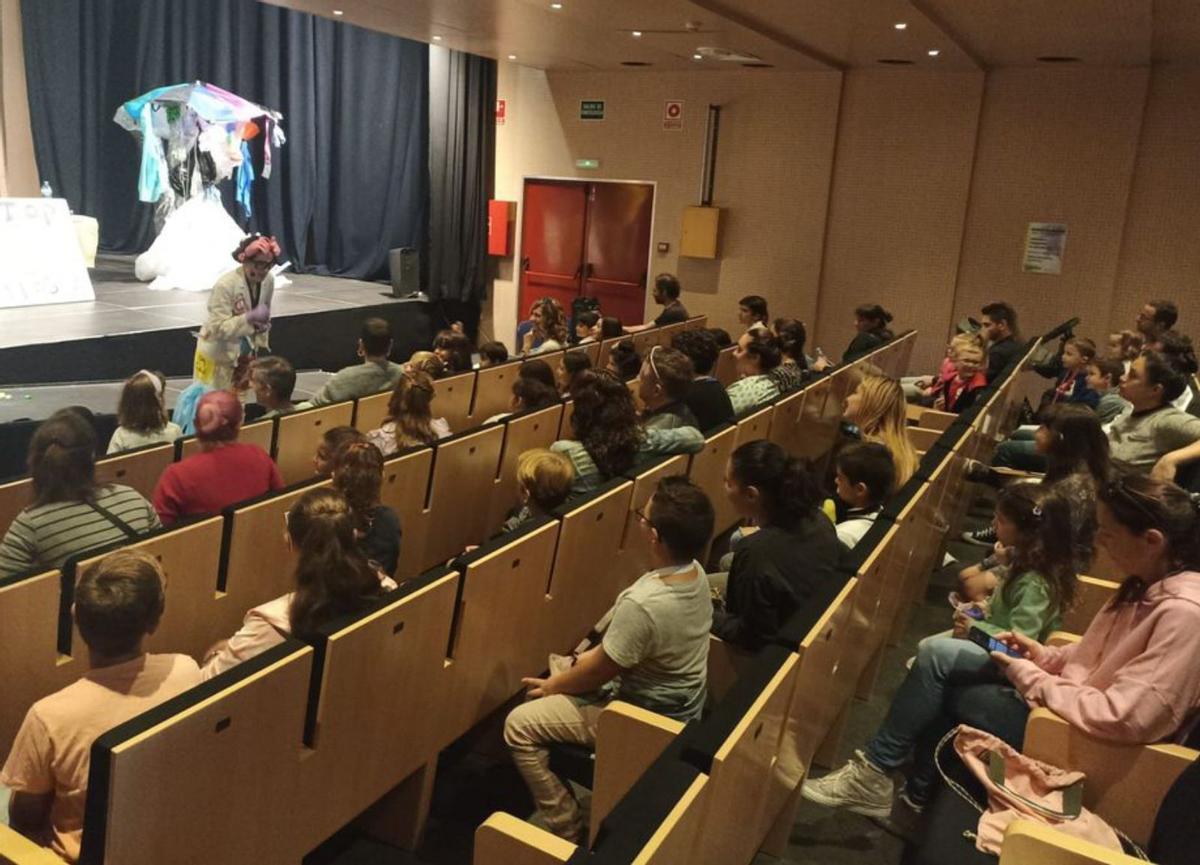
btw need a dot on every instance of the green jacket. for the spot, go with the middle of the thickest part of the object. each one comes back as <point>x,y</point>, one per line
<point>1022,604</point>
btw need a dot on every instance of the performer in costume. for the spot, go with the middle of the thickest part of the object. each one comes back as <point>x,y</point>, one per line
<point>239,316</point>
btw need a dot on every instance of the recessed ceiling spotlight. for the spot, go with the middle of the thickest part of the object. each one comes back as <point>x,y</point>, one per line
<point>512,56</point>
<point>636,34</point>
<point>338,12</point>
<point>934,52</point>
<point>555,5</point>
<point>697,57</point>
<point>437,38</point>
<point>900,25</point>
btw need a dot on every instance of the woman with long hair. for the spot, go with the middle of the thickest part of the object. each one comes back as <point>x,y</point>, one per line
<point>410,421</point>
<point>549,331</point>
<point>871,321</point>
<point>332,579</point>
<point>70,513</point>
<point>454,350</point>
<point>358,475</point>
<point>877,408</point>
<point>788,561</point>
<point>757,355</point>
<point>792,371</point>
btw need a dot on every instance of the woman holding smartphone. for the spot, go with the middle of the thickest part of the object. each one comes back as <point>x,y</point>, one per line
<point>1032,521</point>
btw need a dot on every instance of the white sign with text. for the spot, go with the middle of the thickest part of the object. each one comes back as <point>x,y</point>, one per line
<point>40,258</point>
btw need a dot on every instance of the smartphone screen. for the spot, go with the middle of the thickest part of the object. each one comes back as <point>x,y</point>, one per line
<point>990,643</point>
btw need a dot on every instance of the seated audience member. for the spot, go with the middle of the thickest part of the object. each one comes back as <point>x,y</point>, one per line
<point>573,363</point>
<point>528,394</point>
<point>332,441</point>
<point>333,579</point>
<point>998,326</point>
<point>925,391</point>
<point>585,327</point>
<point>787,564</point>
<point>358,475</point>
<point>1124,346</point>
<point>877,410</point>
<point>961,391</point>
<point>1072,386</point>
<point>721,335</point>
<point>224,472</point>
<point>663,384</point>
<point>1177,348</point>
<point>69,512</point>
<point>1155,319</point>
<point>454,350</point>
<point>376,373</point>
<point>539,370</point>
<point>871,321</point>
<point>1155,436</point>
<point>1031,522</point>
<point>610,327</point>
<point>792,371</point>
<point>666,295</point>
<point>757,354</point>
<point>623,361</point>
<point>273,380</point>
<point>141,415</point>
<point>752,314</point>
<point>426,362</point>
<point>865,478</point>
<point>492,353</point>
<point>706,397</point>
<point>549,331</point>
<point>118,602</point>
<point>410,421</point>
<point>608,438</point>
<point>544,481</point>
<point>1104,377</point>
<point>653,654</point>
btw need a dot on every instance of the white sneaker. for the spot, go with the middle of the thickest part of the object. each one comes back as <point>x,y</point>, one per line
<point>858,786</point>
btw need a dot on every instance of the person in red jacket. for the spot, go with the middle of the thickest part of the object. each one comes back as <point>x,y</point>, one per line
<point>223,473</point>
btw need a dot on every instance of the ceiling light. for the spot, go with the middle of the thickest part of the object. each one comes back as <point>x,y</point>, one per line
<point>437,38</point>
<point>900,25</point>
<point>934,52</point>
<point>697,57</point>
<point>338,12</point>
<point>512,56</point>
<point>555,5</point>
<point>637,34</point>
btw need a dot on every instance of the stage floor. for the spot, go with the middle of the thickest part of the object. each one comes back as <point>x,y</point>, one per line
<point>124,305</point>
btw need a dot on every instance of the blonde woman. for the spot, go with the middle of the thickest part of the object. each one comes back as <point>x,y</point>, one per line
<point>877,408</point>
<point>410,419</point>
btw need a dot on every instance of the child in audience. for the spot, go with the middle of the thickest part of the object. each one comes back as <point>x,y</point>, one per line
<point>358,475</point>
<point>865,477</point>
<point>528,394</point>
<point>118,602</point>
<point>141,414</point>
<point>706,397</point>
<point>333,579</point>
<point>539,370</point>
<point>663,384</point>
<point>961,391</point>
<point>273,380</point>
<point>585,326</point>
<point>544,481</point>
<point>1031,521</point>
<point>549,332</point>
<point>331,442</point>
<point>1072,385</point>
<point>876,409</point>
<point>492,353</point>
<point>757,353</point>
<point>752,315</point>
<point>721,335</point>
<point>410,421</point>
<point>426,362</point>
<point>1124,346</point>
<point>610,327</point>
<point>788,563</point>
<point>653,654</point>
<point>223,473</point>
<point>927,391</point>
<point>1104,377</point>
<point>454,351</point>
<point>70,513</point>
<point>792,371</point>
<point>624,361</point>
<point>574,362</point>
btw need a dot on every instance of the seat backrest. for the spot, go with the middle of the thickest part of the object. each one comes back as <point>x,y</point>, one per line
<point>260,433</point>
<point>15,496</point>
<point>139,468</point>
<point>809,436</point>
<point>452,399</point>
<point>565,430</point>
<point>586,578</point>
<point>606,347</point>
<point>785,424</point>
<point>645,340</point>
<point>754,427</point>
<point>300,433</point>
<point>370,412</point>
<point>667,333</point>
<point>923,439</point>
<point>405,490</point>
<point>493,391</point>
<point>936,420</point>
<point>708,473</point>
<point>537,429</point>
<point>725,370</point>
<point>1091,595</point>
<point>635,548</point>
<point>464,472</point>
<point>230,746</point>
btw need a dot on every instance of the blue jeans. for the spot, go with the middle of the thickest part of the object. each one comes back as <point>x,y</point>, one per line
<point>1019,452</point>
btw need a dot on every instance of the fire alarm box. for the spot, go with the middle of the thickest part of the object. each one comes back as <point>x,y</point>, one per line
<point>500,224</point>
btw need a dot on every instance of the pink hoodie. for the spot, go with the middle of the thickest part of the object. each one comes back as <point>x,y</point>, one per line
<point>1135,675</point>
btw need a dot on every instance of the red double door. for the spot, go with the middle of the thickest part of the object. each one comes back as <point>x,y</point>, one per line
<point>586,238</point>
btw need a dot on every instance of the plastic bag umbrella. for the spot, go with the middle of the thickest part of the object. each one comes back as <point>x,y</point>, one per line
<point>209,102</point>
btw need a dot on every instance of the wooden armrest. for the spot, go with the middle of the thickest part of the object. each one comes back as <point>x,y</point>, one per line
<point>725,664</point>
<point>1030,843</point>
<point>1062,638</point>
<point>1125,783</point>
<point>16,849</point>
<point>502,839</point>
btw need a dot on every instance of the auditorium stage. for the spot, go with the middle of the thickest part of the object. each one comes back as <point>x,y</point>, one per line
<point>315,323</point>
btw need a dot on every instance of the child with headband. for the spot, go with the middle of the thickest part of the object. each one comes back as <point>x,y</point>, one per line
<point>142,414</point>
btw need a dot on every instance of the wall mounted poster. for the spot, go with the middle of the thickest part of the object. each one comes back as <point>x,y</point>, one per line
<point>1044,244</point>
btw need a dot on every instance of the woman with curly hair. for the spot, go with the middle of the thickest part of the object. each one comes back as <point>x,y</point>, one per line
<point>410,419</point>
<point>877,408</point>
<point>549,331</point>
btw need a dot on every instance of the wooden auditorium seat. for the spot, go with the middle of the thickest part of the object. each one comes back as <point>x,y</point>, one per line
<point>754,427</point>
<point>725,370</point>
<point>923,439</point>
<point>452,399</point>
<point>405,489</point>
<point>138,468</point>
<point>666,333</point>
<point>606,347</point>
<point>526,431</point>
<point>260,433</point>
<point>29,656</point>
<point>1091,594</point>
<point>708,473</point>
<point>634,548</point>
<point>15,496</point>
<point>298,435</point>
<point>460,489</point>
<point>370,412</point>
<point>785,424</point>
<point>493,391</point>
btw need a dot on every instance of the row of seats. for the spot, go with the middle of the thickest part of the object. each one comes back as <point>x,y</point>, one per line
<point>465,400</point>
<point>322,732</point>
<point>721,790</point>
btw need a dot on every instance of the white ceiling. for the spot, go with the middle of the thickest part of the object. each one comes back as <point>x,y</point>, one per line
<point>790,34</point>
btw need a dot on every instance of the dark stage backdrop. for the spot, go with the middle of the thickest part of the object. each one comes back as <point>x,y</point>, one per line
<point>352,180</point>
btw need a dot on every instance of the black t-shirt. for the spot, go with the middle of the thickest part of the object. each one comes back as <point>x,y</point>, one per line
<point>864,342</point>
<point>775,573</point>
<point>382,542</point>
<point>710,403</point>
<point>673,313</point>
<point>1001,354</point>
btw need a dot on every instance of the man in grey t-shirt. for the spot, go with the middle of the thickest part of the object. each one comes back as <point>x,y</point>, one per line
<point>376,373</point>
<point>654,653</point>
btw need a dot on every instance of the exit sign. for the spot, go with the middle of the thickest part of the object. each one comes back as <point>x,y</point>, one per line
<point>591,109</point>
<point>587,163</point>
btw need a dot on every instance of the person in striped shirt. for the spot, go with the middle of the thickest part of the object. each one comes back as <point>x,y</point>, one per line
<point>70,512</point>
<point>757,354</point>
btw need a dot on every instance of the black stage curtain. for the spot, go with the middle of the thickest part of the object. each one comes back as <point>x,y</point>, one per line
<point>352,180</point>
<point>462,158</point>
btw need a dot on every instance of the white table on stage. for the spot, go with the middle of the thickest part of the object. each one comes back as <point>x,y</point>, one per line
<point>40,257</point>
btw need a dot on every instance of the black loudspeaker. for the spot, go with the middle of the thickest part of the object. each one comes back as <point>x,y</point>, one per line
<point>405,267</point>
